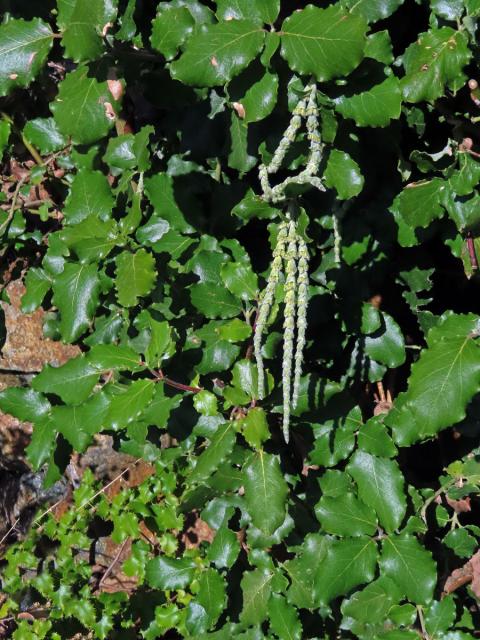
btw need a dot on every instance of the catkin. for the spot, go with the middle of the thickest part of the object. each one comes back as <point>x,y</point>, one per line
<point>266,304</point>
<point>289,324</point>
<point>302,305</point>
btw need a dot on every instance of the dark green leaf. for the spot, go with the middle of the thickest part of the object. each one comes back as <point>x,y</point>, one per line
<point>170,573</point>
<point>220,447</point>
<point>214,301</point>
<point>373,108</point>
<point>72,382</point>
<point>284,620</point>
<point>324,42</point>
<point>346,515</point>
<point>170,29</point>
<point>135,276</point>
<point>265,492</point>
<point>90,195</point>
<point>343,174</point>
<point>24,404</point>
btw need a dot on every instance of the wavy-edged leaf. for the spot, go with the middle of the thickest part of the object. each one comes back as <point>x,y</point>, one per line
<point>135,276</point>
<point>87,24</point>
<point>284,619</point>
<point>221,445</point>
<point>373,108</point>
<point>216,53</point>
<point>265,492</point>
<point>72,382</point>
<point>24,46</point>
<point>324,42</point>
<point>346,515</point>
<point>256,588</point>
<point>24,404</point>
<point>405,561</point>
<point>380,485</point>
<point>76,294</point>
<point>442,382</point>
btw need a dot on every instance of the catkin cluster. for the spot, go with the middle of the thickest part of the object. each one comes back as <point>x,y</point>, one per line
<point>290,257</point>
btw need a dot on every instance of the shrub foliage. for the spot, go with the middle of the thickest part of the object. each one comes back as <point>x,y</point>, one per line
<point>170,153</point>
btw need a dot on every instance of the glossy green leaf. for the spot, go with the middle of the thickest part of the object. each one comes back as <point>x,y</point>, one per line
<point>255,427</point>
<point>420,203</point>
<point>347,564</point>
<point>256,588</point>
<point>72,382</point>
<point>87,24</point>
<point>44,134</point>
<point>170,573</point>
<point>380,485</point>
<point>283,618</point>
<point>24,404</point>
<point>170,29</point>
<point>37,285</point>
<point>216,53</point>
<point>265,492</point>
<point>211,594</point>
<point>76,293</point>
<point>128,405</point>
<point>345,515</point>
<point>324,42</point>
<point>79,423</point>
<point>373,10</point>
<point>84,108</point>
<point>303,570</point>
<point>135,276</point>
<point>24,46</point>
<point>433,63</point>
<point>224,549</point>
<point>443,380</point>
<point>405,561</point>
<point>259,11</point>
<point>111,356</point>
<point>90,195</point>
<point>160,191</point>
<point>240,280</point>
<point>239,157</point>
<point>372,603</point>
<point>440,615</point>
<point>214,301</point>
<point>373,108</point>
<point>343,174</point>
<point>261,98</point>
<point>387,344</point>
<point>221,445</point>
<point>42,442</point>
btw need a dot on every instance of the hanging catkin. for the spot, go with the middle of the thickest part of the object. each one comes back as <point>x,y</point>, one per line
<point>290,257</point>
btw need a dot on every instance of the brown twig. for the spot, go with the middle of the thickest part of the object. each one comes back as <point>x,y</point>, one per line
<point>159,375</point>
<point>113,562</point>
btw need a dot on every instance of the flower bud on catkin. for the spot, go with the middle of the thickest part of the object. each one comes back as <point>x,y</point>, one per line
<point>289,324</point>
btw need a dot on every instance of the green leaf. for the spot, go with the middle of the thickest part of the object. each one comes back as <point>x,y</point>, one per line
<point>120,153</point>
<point>92,239</point>
<point>283,618</point>
<point>410,566</point>
<point>160,342</point>
<point>44,134</point>
<point>379,47</point>
<point>433,62</point>
<point>25,404</point>
<point>79,423</point>
<point>380,485</point>
<point>90,195</point>
<point>24,47</point>
<point>343,174</point>
<point>128,405</point>
<point>256,588</point>
<point>240,280</point>
<point>373,10</point>
<point>374,438</point>
<point>440,616</point>
<point>75,293</point>
<point>303,570</point>
<point>211,594</point>
<point>111,356</point>
<point>83,107</point>
<point>216,53</point>
<point>372,603</point>
<point>347,564</point>
<point>159,189</point>
<point>170,573</point>
<point>373,108</point>
<point>387,344</point>
<point>245,377</point>
<point>252,206</point>
<point>259,11</point>
<point>224,549</point>
<point>135,276</point>
<point>461,542</point>
<point>255,427</point>
<point>85,28</point>
<point>442,382</point>
<point>265,492</point>
<point>170,29</point>
<point>326,43</point>
<point>261,98</point>
<point>205,403</point>
<point>238,158</point>
<point>37,285</point>
<point>345,515</point>
<point>42,441</point>
<point>421,202</point>
<point>152,231</point>
<point>214,301</point>
<point>221,445</point>
<point>72,382</point>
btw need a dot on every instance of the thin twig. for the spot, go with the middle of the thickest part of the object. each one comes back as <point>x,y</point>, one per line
<point>12,528</point>
<point>42,515</point>
<point>11,213</point>
<point>159,375</point>
<point>113,563</point>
